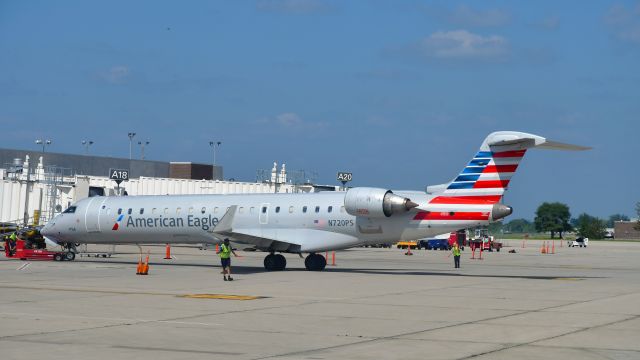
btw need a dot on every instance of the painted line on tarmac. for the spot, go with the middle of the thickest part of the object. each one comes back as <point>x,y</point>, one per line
<point>24,266</point>
<point>221,296</point>
<point>139,321</point>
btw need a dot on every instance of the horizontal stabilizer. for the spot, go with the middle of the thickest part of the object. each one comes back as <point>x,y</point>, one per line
<point>554,145</point>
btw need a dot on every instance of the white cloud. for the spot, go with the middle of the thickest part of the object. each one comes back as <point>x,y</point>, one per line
<point>289,119</point>
<point>294,6</point>
<point>624,22</point>
<point>468,17</point>
<point>462,45</point>
<point>116,74</point>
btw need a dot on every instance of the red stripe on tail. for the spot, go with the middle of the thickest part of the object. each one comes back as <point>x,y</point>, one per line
<point>488,184</point>
<point>474,215</point>
<point>480,199</point>
<point>500,168</point>
<point>509,154</point>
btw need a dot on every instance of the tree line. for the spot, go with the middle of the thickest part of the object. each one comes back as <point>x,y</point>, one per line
<point>555,218</point>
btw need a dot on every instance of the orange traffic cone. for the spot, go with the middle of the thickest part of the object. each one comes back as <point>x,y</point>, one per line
<point>217,247</point>
<point>548,247</point>
<point>473,252</point>
<point>553,247</point>
<point>333,258</point>
<point>408,250</point>
<point>480,258</point>
<point>543,250</point>
<point>168,253</point>
<point>139,270</point>
<point>145,267</point>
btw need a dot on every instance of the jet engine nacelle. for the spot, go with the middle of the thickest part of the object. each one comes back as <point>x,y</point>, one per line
<point>374,202</point>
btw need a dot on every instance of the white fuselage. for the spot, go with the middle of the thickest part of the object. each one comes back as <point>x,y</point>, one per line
<point>276,222</point>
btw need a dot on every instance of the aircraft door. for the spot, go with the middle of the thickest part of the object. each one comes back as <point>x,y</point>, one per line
<point>92,214</point>
<point>264,213</point>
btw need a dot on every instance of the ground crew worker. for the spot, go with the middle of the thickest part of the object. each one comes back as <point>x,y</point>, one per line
<point>225,258</point>
<point>455,250</point>
<point>12,243</point>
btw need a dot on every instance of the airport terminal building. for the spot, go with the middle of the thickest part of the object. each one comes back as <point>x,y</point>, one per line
<point>36,186</point>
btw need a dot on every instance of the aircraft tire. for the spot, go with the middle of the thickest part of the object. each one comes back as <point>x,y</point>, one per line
<point>315,262</point>
<point>281,262</point>
<point>58,257</point>
<point>69,256</point>
<point>270,262</point>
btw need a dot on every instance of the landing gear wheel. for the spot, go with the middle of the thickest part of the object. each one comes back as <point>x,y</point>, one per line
<point>315,262</point>
<point>69,256</point>
<point>281,261</point>
<point>275,262</point>
<point>57,257</point>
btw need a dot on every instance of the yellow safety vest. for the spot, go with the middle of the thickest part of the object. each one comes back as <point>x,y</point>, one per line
<point>456,251</point>
<point>225,251</point>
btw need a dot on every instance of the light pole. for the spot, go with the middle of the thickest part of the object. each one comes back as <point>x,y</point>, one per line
<point>214,144</point>
<point>142,145</point>
<point>86,144</point>
<point>43,143</point>
<point>131,135</point>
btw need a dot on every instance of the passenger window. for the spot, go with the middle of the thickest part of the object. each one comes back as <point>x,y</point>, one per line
<point>178,210</point>
<point>264,209</point>
<point>241,210</point>
<point>119,211</point>
<point>191,210</point>
<point>277,209</point>
<point>215,210</point>
<point>141,211</point>
<point>304,209</point>
<point>330,209</point>
<point>70,210</point>
<point>130,211</point>
<point>166,211</point>
<point>203,210</point>
<point>153,211</point>
<point>317,209</point>
<point>290,209</point>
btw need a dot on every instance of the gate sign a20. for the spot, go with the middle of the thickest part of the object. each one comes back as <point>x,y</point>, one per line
<point>119,174</point>
<point>345,176</point>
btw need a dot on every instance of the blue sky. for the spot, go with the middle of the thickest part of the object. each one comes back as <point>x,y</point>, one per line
<point>401,93</point>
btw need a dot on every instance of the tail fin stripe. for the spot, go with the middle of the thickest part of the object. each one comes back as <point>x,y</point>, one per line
<point>461,185</point>
<point>467,177</point>
<point>479,162</point>
<point>485,184</point>
<point>455,200</point>
<point>500,168</point>
<point>515,153</point>
<point>473,170</point>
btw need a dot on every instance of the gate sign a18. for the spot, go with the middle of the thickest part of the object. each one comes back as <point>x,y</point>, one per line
<point>345,176</point>
<point>119,175</point>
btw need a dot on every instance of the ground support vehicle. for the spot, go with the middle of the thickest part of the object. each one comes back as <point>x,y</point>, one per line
<point>578,242</point>
<point>24,251</point>
<point>407,244</point>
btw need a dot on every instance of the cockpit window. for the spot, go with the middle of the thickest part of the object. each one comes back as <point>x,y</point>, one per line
<point>70,210</point>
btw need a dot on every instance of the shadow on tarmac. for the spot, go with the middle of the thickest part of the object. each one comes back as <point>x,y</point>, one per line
<point>242,269</point>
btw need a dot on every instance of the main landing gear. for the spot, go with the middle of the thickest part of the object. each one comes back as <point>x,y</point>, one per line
<point>275,262</point>
<point>315,262</point>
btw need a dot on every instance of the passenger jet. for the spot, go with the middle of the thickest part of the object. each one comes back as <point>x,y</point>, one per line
<point>307,223</point>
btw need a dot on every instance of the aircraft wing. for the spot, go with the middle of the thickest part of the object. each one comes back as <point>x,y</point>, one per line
<point>291,240</point>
